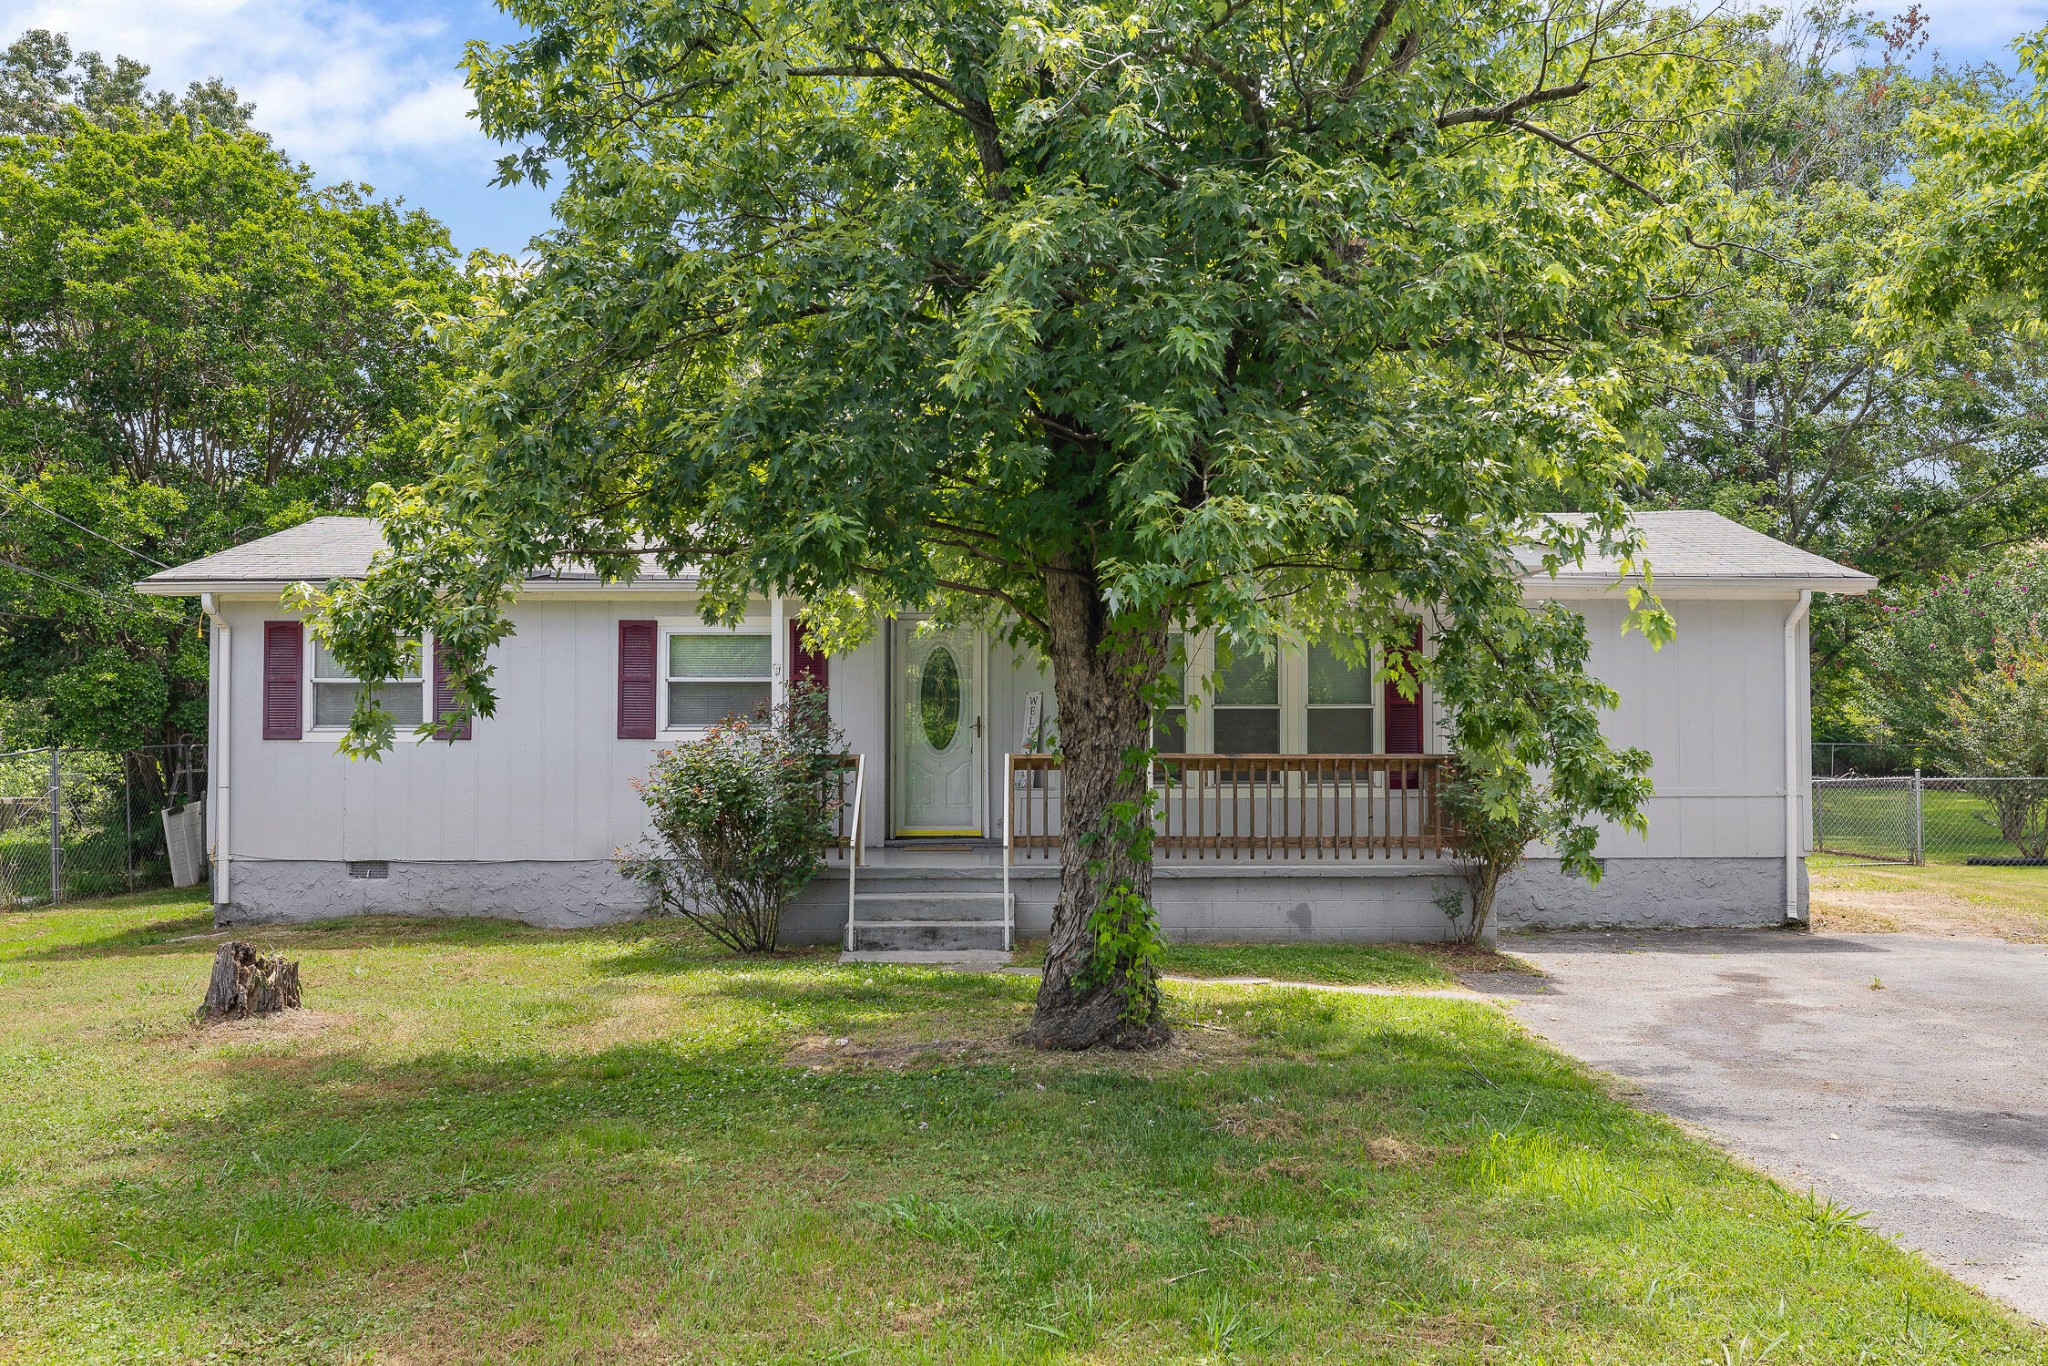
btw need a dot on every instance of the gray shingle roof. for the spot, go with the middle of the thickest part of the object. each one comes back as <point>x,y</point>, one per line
<point>1702,546</point>
<point>324,548</point>
<point>329,548</point>
<point>1680,546</point>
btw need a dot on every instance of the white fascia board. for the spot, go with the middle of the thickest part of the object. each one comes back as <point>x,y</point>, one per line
<point>1582,588</point>
<point>255,588</point>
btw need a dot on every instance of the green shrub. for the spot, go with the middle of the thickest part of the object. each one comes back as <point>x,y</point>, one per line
<point>740,819</point>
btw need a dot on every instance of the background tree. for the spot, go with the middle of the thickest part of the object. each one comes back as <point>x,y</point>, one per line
<point>1929,641</point>
<point>1232,316</point>
<point>1995,725</point>
<point>1981,220</point>
<point>1905,461</point>
<point>197,345</point>
<point>43,85</point>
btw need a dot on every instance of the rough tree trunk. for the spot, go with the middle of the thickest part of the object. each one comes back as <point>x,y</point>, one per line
<point>1100,681</point>
<point>246,983</point>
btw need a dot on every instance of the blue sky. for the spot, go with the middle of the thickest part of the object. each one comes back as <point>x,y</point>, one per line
<point>359,90</point>
<point>369,90</point>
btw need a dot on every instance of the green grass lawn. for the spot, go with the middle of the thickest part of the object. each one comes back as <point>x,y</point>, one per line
<point>486,1143</point>
<point>1877,822</point>
<point>1338,964</point>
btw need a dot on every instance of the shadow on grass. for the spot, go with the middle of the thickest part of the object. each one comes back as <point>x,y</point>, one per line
<point>154,934</point>
<point>371,1199</point>
<point>358,931</point>
<point>663,952</point>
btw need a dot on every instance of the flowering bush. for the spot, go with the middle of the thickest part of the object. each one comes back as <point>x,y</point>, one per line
<point>1933,640</point>
<point>1996,726</point>
<point>740,818</point>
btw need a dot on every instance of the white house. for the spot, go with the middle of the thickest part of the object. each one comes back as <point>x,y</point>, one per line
<point>1304,805</point>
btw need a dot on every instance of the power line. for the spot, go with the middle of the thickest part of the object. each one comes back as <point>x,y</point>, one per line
<point>125,604</point>
<point>22,497</point>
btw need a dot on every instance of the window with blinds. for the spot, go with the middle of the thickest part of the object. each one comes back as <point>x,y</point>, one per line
<point>1248,701</point>
<point>713,676</point>
<point>335,690</point>
<point>1339,704</point>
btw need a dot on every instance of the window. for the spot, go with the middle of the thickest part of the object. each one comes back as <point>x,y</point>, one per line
<point>1339,704</point>
<point>713,675</point>
<point>1248,701</point>
<point>334,691</point>
<point>1281,699</point>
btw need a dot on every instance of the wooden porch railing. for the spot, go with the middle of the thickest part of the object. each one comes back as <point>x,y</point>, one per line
<point>844,788</point>
<point>1260,806</point>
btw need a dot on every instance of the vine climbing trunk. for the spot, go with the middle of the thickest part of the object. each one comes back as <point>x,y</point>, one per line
<point>1099,988</point>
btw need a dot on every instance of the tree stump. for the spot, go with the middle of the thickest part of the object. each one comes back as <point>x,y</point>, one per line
<point>247,983</point>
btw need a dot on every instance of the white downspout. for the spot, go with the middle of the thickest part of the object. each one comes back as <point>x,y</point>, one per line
<point>220,726</point>
<point>1795,837</point>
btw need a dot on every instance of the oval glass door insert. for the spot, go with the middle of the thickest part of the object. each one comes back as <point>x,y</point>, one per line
<point>938,698</point>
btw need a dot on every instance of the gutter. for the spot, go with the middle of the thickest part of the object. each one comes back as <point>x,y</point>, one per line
<point>1794,836</point>
<point>220,727</point>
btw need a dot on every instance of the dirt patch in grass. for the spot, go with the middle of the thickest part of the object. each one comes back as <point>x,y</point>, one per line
<point>285,1024</point>
<point>844,1052</point>
<point>1461,960</point>
<point>1389,1151</point>
<point>1928,900</point>
<point>1260,1123</point>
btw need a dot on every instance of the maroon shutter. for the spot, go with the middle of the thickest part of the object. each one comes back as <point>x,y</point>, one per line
<point>638,652</point>
<point>805,665</point>
<point>284,662</point>
<point>444,700</point>
<point>1404,721</point>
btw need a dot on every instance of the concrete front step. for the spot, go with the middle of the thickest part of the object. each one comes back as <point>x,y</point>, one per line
<point>923,905</point>
<point>889,936</point>
<point>964,960</point>
<point>929,882</point>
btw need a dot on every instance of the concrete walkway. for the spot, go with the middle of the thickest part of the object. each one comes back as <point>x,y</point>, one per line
<point>1902,1074</point>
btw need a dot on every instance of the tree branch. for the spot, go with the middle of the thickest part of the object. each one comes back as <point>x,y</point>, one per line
<point>1505,113</point>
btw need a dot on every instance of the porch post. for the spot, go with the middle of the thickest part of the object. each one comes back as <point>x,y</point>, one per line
<point>778,652</point>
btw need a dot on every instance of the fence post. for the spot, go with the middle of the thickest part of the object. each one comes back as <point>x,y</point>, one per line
<point>56,826</point>
<point>128,822</point>
<point>1920,822</point>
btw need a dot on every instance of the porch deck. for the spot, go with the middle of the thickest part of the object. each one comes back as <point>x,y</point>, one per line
<point>1225,808</point>
<point>1258,807</point>
<point>1332,845</point>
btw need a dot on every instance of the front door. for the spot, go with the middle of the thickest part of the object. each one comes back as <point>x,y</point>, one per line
<point>936,718</point>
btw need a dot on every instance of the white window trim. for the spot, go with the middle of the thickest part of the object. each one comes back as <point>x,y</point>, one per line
<point>1375,701</point>
<point>309,691</point>
<point>751,626</point>
<point>1293,695</point>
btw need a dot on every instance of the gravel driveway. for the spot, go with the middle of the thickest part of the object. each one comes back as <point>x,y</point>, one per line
<point>1902,1074</point>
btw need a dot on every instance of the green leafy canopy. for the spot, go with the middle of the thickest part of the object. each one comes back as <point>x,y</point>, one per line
<point>1244,315</point>
<point>198,345</point>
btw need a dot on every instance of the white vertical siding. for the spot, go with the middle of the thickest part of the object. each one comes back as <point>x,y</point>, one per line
<point>545,779</point>
<point>1710,708</point>
<point>548,779</point>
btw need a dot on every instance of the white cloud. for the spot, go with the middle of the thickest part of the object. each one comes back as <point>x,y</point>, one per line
<point>365,90</point>
<point>335,83</point>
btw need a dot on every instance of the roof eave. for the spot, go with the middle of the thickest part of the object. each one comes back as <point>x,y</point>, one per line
<point>190,588</point>
<point>1700,585</point>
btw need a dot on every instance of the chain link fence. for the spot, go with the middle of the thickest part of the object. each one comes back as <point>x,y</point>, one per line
<point>1866,759</point>
<point>83,823</point>
<point>1917,819</point>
